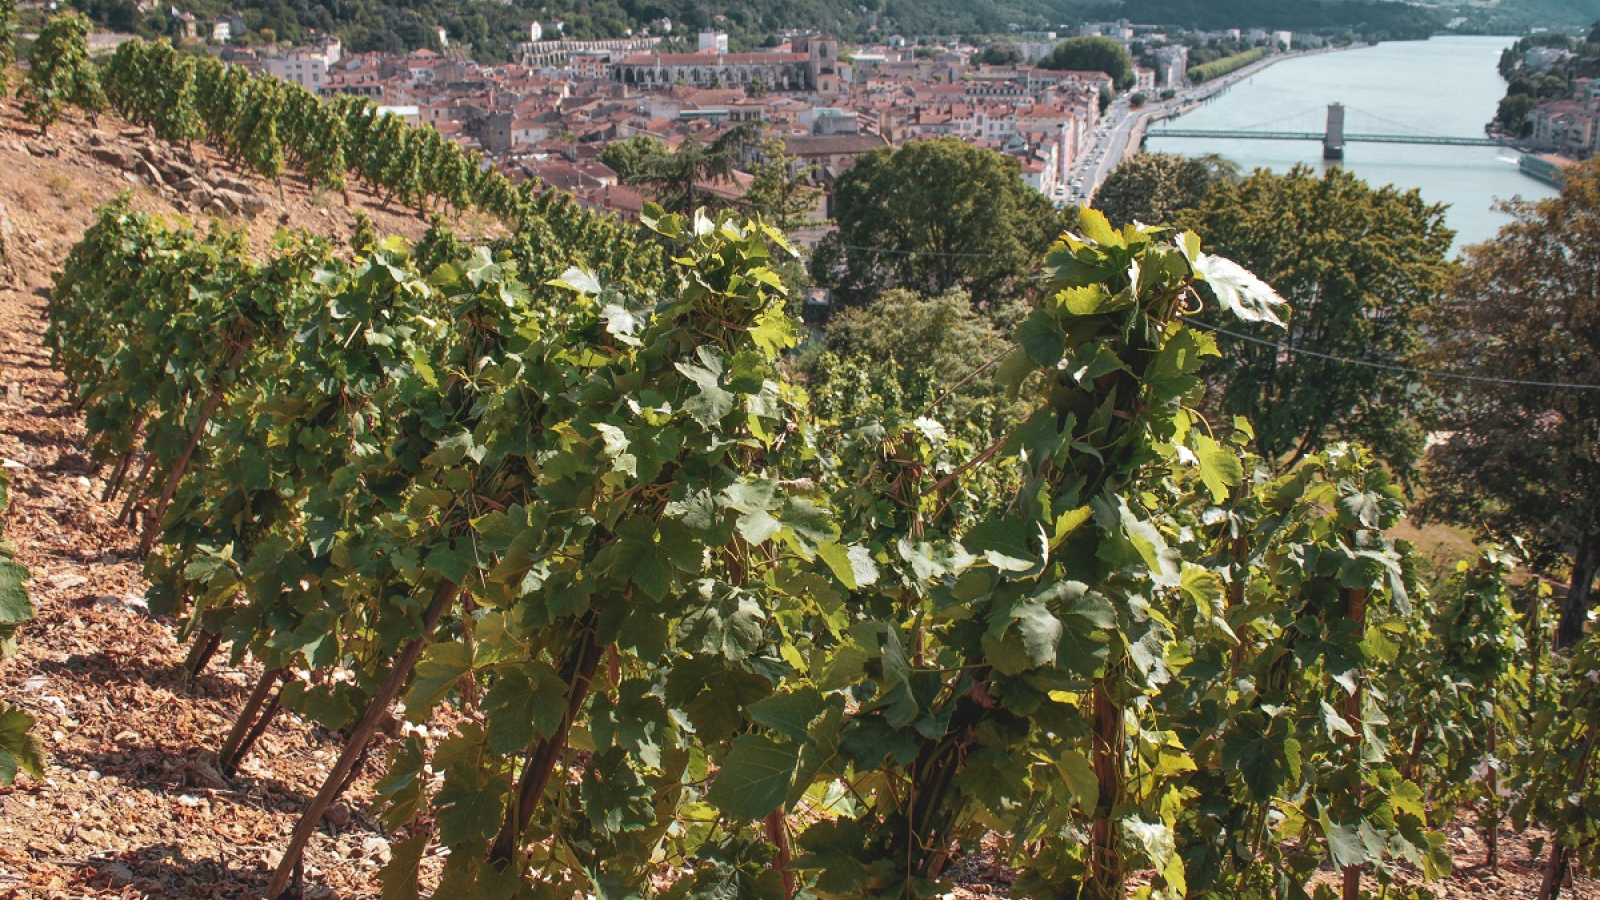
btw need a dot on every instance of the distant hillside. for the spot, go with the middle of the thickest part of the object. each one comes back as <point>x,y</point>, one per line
<point>1516,16</point>
<point>1375,18</point>
<point>492,28</point>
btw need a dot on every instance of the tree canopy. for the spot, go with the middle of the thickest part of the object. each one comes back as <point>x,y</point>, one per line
<point>698,175</point>
<point>1154,188</point>
<point>933,216</point>
<point>1523,459</point>
<point>926,345</point>
<point>682,180</point>
<point>627,157</point>
<point>1092,54</point>
<point>999,53</point>
<point>1360,267</point>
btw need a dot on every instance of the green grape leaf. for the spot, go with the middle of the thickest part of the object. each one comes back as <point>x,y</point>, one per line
<point>1042,339</point>
<point>1219,466</point>
<point>615,799</point>
<point>470,805</point>
<point>399,874</point>
<point>1263,753</point>
<point>523,703</point>
<point>713,401</point>
<point>790,714</point>
<point>853,566</point>
<point>20,749</point>
<point>15,607</point>
<point>1097,228</point>
<point>437,672</point>
<point>1344,842</point>
<point>1028,639</point>
<point>1239,291</point>
<point>754,778</point>
<point>576,279</point>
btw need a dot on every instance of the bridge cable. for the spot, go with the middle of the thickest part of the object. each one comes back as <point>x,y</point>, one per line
<point>1407,129</point>
<point>1255,126</point>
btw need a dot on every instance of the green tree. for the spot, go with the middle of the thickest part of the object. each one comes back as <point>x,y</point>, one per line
<point>926,344</point>
<point>933,216</point>
<point>627,157</point>
<point>999,53</point>
<point>1360,267</point>
<point>61,73</point>
<point>1092,54</point>
<point>1154,188</point>
<point>1513,113</point>
<point>681,180</point>
<point>1524,459</point>
<point>779,192</point>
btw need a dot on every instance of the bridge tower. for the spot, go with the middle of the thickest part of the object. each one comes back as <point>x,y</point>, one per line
<point>1333,140</point>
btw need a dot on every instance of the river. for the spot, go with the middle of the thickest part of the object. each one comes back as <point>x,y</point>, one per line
<point>1447,86</point>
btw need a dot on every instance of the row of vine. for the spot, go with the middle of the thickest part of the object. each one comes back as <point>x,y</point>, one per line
<point>596,517</point>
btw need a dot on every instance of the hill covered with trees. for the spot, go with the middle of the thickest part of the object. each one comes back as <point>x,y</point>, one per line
<point>493,28</point>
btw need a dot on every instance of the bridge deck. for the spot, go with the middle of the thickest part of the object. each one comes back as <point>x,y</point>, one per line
<point>1318,136</point>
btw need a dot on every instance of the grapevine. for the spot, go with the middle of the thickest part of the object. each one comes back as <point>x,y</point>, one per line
<point>782,645</point>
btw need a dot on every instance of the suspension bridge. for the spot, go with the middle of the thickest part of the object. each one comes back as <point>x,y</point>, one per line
<point>1334,136</point>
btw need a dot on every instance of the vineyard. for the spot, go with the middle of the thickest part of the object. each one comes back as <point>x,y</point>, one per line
<point>540,531</point>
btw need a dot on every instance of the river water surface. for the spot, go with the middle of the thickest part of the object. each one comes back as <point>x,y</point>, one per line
<point>1447,86</point>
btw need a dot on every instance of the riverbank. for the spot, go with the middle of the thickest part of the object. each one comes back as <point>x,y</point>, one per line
<point>1446,87</point>
<point>1200,94</point>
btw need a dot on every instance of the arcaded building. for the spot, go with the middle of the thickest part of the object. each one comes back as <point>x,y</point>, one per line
<point>812,64</point>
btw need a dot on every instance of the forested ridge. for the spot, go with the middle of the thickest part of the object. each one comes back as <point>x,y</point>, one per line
<point>491,28</point>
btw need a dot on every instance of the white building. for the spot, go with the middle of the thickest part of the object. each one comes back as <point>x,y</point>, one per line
<point>1172,66</point>
<point>411,115</point>
<point>1283,39</point>
<point>306,66</point>
<point>1033,51</point>
<point>713,42</point>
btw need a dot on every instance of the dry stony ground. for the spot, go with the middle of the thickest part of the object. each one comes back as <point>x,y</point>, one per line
<point>132,805</point>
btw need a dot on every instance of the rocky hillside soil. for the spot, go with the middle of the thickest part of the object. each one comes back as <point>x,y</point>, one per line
<point>133,805</point>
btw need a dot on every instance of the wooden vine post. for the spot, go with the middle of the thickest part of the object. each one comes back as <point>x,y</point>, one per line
<point>200,652</point>
<point>1110,738</point>
<point>152,526</point>
<point>1555,873</point>
<point>245,730</point>
<point>546,752</point>
<point>1240,548</point>
<point>119,474</point>
<point>778,835</point>
<point>1357,612</point>
<point>126,514</point>
<point>356,746</point>
<point>1489,823</point>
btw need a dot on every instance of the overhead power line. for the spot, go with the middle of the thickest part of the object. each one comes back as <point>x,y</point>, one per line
<point>894,252</point>
<point>1393,367</point>
<point>1300,351</point>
